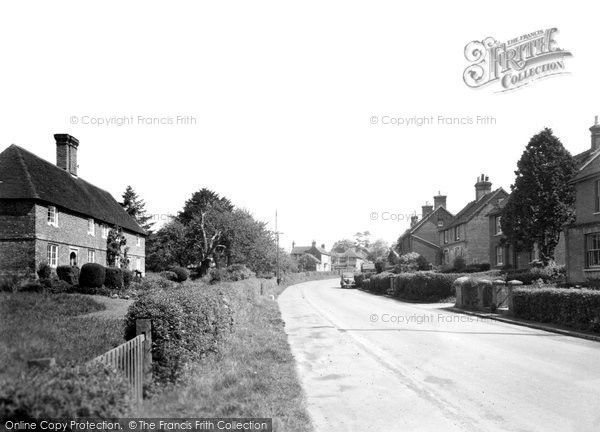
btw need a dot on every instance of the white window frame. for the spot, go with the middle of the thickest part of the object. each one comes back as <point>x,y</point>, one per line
<point>138,241</point>
<point>456,233</point>
<point>52,216</point>
<point>105,231</point>
<point>499,255</point>
<point>91,253</point>
<point>138,263</point>
<point>91,227</point>
<point>52,255</point>
<point>498,225</point>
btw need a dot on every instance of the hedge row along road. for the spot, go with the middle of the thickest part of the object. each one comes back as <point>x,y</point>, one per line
<point>372,363</point>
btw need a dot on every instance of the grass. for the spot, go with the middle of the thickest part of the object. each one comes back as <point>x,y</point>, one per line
<point>35,325</point>
<point>254,375</point>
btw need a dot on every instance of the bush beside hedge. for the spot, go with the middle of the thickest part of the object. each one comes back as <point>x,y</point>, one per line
<point>187,324</point>
<point>181,274</point>
<point>577,308</point>
<point>92,275</point>
<point>425,286</point>
<point>93,391</point>
<point>69,274</point>
<point>380,283</point>
<point>113,278</point>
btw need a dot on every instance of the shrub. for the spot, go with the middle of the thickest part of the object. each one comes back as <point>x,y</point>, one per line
<point>66,392</point>
<point>168,275</point>
<point>9,283</point>
<point>379,266</point>
<point>380,282</point>
<point>44,270</point>
<point>459,264</point>
<point>528,277</point>
<point>232,273</point>
<point>476,268</point>
<point>114,278</point>
<point>187,324</point>
<point>69,274</point>
<point>422,263</point>
<point>577,308</point>
<point>425,286</point>
<point>181,274</point>
<point>92,275</point>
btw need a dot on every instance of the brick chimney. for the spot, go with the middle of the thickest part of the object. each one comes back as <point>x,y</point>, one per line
<point>323,246</point>
<point>413,220</point>
<point>426,209</point>
<point>595,130</point>
<point>482,187</point>
<point>66,152</point>
<point>314,244</point>
<point>439,201</point>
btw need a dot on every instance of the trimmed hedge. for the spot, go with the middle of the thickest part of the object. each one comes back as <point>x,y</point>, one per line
<point>69,274</point>
<point>380,283</point>
<point>181,274</point>
<point>92,275</point>
<point>114,278</point>
<point>66,392</point>
<point>425,286</point>
<point>187,324</point>
<point>168,275</point>
<point>232,273</point>
<point>127,277</point>
<point>576,308</point>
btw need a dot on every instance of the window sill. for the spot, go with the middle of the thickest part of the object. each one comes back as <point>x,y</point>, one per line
<point>593,269</point>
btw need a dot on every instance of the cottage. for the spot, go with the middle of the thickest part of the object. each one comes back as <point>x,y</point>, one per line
<point>422,237</point>
<point>323,257</point>
<point>467,235</point>
<point>49,214</point>
<point>350,260</point>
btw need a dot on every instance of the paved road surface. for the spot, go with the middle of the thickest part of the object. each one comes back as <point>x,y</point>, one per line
<point>428,371</point>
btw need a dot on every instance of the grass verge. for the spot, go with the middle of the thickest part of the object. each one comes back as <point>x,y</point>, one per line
<point>35,325</point>
<point>254,375</point>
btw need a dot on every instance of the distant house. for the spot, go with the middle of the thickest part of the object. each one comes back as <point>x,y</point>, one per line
<point>422,237</point>
<point>322,256</point>
<point>583,236</point>
<point>351,260</point>
<point>49,214</point>
<point>467,235</point>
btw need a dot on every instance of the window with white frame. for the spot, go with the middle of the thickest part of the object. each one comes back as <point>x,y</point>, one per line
<point>446,257</point>
<point>592,250</point>
<point>499,255</point>
<point>91,258</point>
<point>597,197</point>
<point>138,264</point>
<point>52,255</point>
<point>104,231</point>
<point>91,227</point>
<point>52,216</point>
<point>445,236</point>
<point>456,233</point>
<point>138,240</point>
<point>498,225</point>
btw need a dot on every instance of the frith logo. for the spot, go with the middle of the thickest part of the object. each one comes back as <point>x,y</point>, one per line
<point>515,63</point>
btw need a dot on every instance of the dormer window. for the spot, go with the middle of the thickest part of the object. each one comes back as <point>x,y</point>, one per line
<point>104,231</point>
<point>52,216</point>
<point>91,227</point>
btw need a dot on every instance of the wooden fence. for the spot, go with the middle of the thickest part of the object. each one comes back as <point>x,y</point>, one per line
<point>133,358</point>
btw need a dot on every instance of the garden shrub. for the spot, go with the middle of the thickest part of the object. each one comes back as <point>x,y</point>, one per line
<point>576,308</point>
<point>181,274</point>
<point>92,275</point>
<point>9,283</point>
<point>425,286</point>
<point>459,264</point>
<point>44,270</point>
<point>187,324</point>
<point>422,263</point>
<point>168,275</point>
<point>82,391</point>
<point>69,274</point>
<point>380,282</point>
<point>127,278</point>
<point>476,268</point>
<point>113,278</point>
<point>232,273</point>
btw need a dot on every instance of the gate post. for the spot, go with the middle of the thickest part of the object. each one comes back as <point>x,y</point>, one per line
<point>497,286</point>
<point>144,326</point>
<point>511,285</point>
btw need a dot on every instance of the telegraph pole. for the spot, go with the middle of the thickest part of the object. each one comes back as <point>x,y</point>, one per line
<point>277,234</point>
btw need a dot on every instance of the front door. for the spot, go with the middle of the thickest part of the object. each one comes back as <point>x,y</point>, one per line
<point>73,255</point>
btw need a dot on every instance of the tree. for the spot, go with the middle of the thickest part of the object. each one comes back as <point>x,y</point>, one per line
<point>362,241</point>
<point>116,248</point>
<point>342,246</point>
<point>542,198</point>
<point>136,208</point>
<point>168,247</point>
<point>378,250</point>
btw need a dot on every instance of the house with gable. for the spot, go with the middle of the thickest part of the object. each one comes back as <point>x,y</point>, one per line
<point>350,260</point>
<point>322,258</point>
<point>582,237</point>
<point>422,236</point>
<point>467,235</point>
<point>50,214</point>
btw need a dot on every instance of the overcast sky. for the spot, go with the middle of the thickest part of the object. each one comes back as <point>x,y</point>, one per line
<point>282,95</point>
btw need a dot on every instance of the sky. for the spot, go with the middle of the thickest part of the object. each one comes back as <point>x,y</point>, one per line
<point>288,106</point>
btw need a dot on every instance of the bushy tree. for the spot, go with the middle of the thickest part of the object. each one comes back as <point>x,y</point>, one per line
<point>116,248</point>
<point>136,208</point>
<point>542,198</point>
<point>378,250</point>
<point>342,246</point>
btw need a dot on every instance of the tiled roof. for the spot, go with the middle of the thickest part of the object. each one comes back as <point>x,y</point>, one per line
<point>420,223</point>
<point>299,250</point>
<point>24,175</point>
<point>471,209</point>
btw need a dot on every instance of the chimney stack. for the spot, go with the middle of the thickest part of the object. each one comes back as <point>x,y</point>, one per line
<point>323,246</point>
<point>439,201</point>
<point>426,209</point>
<point>314,244</point>
<point>66,152</point>
<point>413,220</point>
<point>595,130</point>
<point>482,187</point>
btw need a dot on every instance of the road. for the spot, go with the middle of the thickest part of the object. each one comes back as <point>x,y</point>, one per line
<point>372,363</point>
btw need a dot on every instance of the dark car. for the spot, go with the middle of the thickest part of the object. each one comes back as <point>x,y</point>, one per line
<point>347,280</point>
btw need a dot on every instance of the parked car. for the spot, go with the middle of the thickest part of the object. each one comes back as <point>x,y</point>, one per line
<point>347,280</point>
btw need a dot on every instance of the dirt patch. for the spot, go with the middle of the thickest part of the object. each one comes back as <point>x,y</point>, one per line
<point>115,308</point>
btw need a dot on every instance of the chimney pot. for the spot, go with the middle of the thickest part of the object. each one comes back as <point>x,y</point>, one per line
<point>439,201</point>
<point>482,187</point>
<point>595,130</point>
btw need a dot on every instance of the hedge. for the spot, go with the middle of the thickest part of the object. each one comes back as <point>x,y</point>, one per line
<point>92,275</point>
<point>232,273</point>
<point>114,278</point>
<point>576,308</point>
<point>187,324</point>
<point>94,390</point>
<point>181,274</point>
<point>380,283</point>
<point>425,286</point>
<point>69,274</point>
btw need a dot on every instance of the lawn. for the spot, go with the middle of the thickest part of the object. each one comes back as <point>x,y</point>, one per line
<point>35,325</point>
